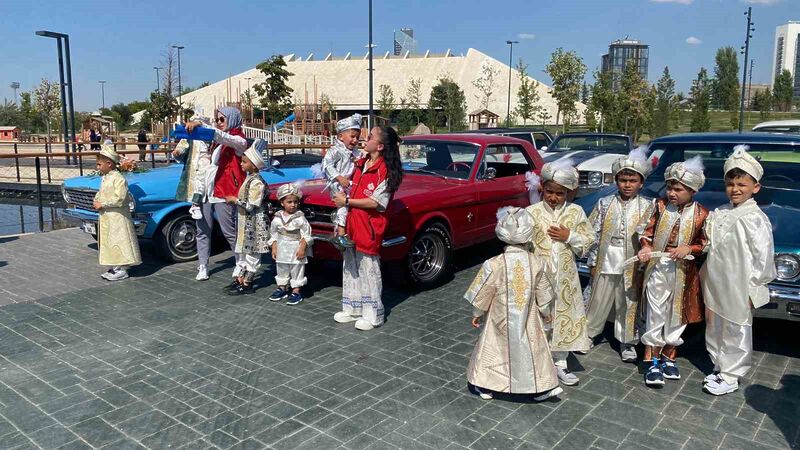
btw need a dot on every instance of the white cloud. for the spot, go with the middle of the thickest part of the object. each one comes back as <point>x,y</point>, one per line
<point>763,2</point>
<point>691,40</point>
<point>527,36</point>
<point>682,2</point>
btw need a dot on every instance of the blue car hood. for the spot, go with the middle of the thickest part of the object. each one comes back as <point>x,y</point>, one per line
<point>160,184</point>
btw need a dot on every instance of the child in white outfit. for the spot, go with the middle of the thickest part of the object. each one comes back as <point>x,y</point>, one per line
<point>290,240</point>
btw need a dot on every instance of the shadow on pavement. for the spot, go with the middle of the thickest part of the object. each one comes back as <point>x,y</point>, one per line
<point>781,405</point>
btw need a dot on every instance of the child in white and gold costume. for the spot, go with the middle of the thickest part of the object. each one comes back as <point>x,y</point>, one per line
<point>561,231</point>
<point>116,235</point>
<point>290,240</point>
<point>618,219</point>
<point>511,296</point>
<point>740,263</point>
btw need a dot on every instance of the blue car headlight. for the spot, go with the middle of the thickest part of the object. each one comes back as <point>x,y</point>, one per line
<point>64,193</point>
<point>132,204</point>
<point>788,266</point>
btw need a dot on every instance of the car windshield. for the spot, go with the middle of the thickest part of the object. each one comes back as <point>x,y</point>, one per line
<point>448,159</point>
<point>597,143</point>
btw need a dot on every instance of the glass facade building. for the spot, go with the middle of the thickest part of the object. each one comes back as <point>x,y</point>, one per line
<point>624,52</point>
<point>404,42</point>
<point>787,54</point>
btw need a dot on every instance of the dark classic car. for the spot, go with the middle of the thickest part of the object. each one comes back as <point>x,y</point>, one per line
<point>779,197</point>
<point>538,137</point>
<point>453,185</point>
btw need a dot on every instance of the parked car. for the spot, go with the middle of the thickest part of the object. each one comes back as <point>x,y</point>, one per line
<point>779,126</point>
<point>536,136</point>
<point>157,216</point>
<point>779,198</point>
<point>452,187</point>
<point>593,154</point>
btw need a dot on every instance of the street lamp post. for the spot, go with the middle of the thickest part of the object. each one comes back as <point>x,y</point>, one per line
<point>371,110</point>
<point>510,56</point>
<point>58,37</point>
<point>746,49</point>
<point>158,79</point>
<point>180,94</point>
<point>249,98</point>
<point>103,94</point>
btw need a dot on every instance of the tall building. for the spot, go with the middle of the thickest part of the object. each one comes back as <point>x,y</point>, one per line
<point>404,42</point>
<point>787,53</point>
<point>621,53</point>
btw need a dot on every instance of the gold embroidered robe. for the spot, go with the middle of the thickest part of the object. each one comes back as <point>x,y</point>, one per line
<point>512,354</point>
<point>116,234</point>
<point>569,314</point>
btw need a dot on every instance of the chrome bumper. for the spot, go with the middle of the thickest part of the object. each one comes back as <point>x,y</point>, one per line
<point>79,216</point>
<point>391,242</point>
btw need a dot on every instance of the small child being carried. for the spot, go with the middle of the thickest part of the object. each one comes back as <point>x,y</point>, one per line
<point>290,242</point>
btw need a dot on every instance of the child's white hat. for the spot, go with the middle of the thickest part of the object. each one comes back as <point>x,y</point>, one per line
<point>689,173</point>
<point>256,153</point>
<point>636,161</point>
<point>514,225</point>
<point>349,123</point>
<point>740,159</point>
<point>561,172</point>
<point>108,151</point>
<point>289,189</point>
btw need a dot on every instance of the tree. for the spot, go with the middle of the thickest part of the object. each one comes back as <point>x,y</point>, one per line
<point>410,106</point>
<point>782,91</point>
<point>163,108</point>
<point>386,101</point>
<point>484,83</point>
<point>527,95</point>
<point>725,86</point>
<point>10,115</point>
<point>275,96</point>
<point>169,71</point>
<point>701,97</point>
<point>762,102</point>
<point>449,101</point>
<point>47,101</point>
<point>544,116</point>
<point>665,102</point>
<point>604,101</point>
<point>585,93</point>
<point>631,100</point>
<point>677,104</point>
<point>566,69</point>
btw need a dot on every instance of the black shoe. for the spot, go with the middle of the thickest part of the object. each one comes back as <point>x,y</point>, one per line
<point>232,286</point>
<point>242,289</point>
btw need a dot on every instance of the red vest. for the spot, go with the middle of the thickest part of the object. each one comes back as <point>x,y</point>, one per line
<point>229,172</point>
<point>367,226</point>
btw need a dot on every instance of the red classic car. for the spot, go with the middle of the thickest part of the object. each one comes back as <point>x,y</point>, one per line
<point>451,190</point>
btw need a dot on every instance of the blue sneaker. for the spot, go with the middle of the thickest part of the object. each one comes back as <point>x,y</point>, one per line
<point>295,298</point>
<point>670,369</point>
<point>278,295</point>
<point>654,375</point>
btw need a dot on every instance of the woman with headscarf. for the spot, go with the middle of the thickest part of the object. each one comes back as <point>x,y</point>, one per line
<point>227,148</point>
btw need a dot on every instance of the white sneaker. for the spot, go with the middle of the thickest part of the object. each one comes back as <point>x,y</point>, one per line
<point>119,274</point>
<point>721,387</point>
<point>202,273</point>
<point>343,317</point>
<point>566,377</point>
<point>628,354</point>
<point>107,274</point>
<point>711,377</point>
<point>556,391</point>
<point>195,212</point>
<point>486,395</point>
<point>363,325</point>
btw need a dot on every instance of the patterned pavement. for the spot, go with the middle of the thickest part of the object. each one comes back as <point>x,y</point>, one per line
<point>163,361</point>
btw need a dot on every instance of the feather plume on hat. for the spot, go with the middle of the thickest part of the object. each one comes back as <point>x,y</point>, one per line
<point>636,161</point>
<point>689,173</point>
<point>533,183</point>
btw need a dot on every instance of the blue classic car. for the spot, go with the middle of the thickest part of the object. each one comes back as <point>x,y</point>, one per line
<point>157,216</point>
<point>779,197</point>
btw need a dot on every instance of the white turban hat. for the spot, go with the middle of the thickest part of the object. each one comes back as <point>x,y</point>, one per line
<point>256,153</point>
<point>688,173</point>
<point>635,161</point>
<point>349,123</point>
<point>514,225</point>
<point>108,151</point>
<point>561,172</point>
<point>740,159</point>
<point>289,189</point>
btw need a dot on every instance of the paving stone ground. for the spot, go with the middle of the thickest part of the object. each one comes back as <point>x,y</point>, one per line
<point>163,361</point>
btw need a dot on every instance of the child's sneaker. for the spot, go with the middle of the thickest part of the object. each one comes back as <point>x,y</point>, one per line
<point>295,298</point>
<point>107,274</point>
<point>670,369</point>
<point>117,275</point>
<point>486,395</point>
<point>232,286</point>
<point>242,289</point>
<point>566,377</point>
<point>719,386</point>
<point>202,273</point>
<point>711,377</point>
<point>628,354</point>
<point>278,295</point>
<point>555,392</point>
<point>654,376</point>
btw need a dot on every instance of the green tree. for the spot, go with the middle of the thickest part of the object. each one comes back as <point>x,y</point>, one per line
<point>448,99</point>
<point>10,115</point>
<point>484,83</point>
<point>677,104</point>
<point>664,104</point>
<point>544,116</point>
<point>163,108</point>
<point>585,93</point>
<point>410,106</point>
<point>386,101</point>
<point>604,101</point>
<point>566,69</point>
<point>47,101</point>
<point>701,97</point>
<point>762,102</point>
<point>631,100</point>
<point>782,91</point>
<point>725,86</point>
<point>275,96</point>
<point>527,95</point>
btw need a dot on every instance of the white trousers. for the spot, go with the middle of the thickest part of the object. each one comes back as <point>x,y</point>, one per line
<point>247,264</point>
<point>730,346</point>
<point>341,213</point>
<point>362,286</point>
<point>291,274</point>
<point>659,293</point>
<point>560,359</point>
<point>609,291</point>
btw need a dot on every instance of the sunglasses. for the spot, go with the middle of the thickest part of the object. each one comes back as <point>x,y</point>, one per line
<point>220,119</point>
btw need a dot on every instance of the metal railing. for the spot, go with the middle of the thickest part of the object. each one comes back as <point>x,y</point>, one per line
<point>280,138</point>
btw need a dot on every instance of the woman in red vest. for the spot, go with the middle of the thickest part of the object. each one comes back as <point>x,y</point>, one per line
<point>227,149</point>
<point>376,178</point>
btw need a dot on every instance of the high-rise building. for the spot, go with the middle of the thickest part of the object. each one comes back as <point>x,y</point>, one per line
<point>787,53</point>
<point>404,42</point>
<point>623,52</point>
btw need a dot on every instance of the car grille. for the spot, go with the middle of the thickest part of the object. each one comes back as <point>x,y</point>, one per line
<point>81,198</point>
<point>583,177</point>
<point>313,213</point>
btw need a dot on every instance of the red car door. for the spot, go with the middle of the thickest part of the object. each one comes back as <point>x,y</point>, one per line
<point>500,182</point>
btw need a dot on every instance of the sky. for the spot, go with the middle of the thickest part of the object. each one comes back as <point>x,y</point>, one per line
<point>121,41</point>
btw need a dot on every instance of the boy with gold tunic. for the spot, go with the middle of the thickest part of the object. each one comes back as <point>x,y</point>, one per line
<point>740,263</point>
<point>561,231</point>
<point>618,219</point>
<point>672,285</point>
<point>511,295</point>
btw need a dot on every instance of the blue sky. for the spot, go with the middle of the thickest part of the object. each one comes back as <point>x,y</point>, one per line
<point>120,41</point>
